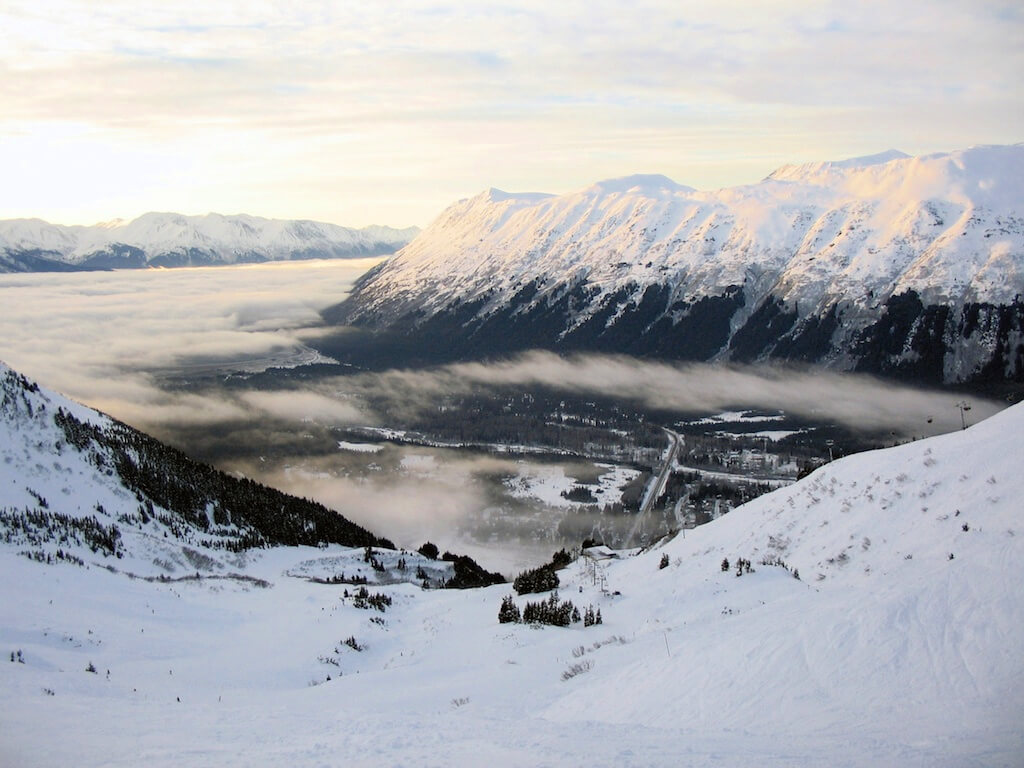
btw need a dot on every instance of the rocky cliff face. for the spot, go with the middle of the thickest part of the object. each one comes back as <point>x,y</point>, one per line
<point>905,266</point>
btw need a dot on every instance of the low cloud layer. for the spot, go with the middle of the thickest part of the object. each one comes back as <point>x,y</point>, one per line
<point>858,402</point>
<point>99,336</point>
<point>102,337</point>
<point>861,403</point>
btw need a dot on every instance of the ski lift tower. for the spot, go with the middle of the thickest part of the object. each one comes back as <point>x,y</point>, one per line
<point>596,573</point>
<point>964,406</point>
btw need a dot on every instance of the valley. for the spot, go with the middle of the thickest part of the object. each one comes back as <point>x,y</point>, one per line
<point>504,470</point>
<point>517,385</point>
<point>370,543</point>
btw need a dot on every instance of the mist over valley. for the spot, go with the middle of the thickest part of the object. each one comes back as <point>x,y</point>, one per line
<point>507,460</point>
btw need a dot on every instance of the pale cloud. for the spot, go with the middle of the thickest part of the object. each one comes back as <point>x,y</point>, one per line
<point>858,402</point>
<point>107,338</point>
<point>308,406</point>
<point>101,337</point>
<point>386,112</point>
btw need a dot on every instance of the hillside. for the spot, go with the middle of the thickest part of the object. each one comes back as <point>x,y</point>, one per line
<point>73,479</point>
<point>173,240</point>
<point>905,266</point>
<point>898,645</point>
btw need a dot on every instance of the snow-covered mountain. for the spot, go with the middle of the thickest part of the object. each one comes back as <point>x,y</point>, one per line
<point>74,479</point>
<point>173,240</point>
<point>911,266</point>
<point>898,645</point>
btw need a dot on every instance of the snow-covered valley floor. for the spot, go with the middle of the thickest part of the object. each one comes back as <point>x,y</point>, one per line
<point>899,645</point>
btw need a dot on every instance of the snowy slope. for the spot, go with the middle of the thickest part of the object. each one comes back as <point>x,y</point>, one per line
<point>885,652</point>
<point>75,481</point>
<point>169,239</point>
<point>813,253</point>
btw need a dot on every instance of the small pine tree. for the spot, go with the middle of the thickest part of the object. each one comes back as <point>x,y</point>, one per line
<point>509,611</point>
<point>540,579</point>
<point>725,564</point>
<point>561,558</point>
<point>597,617</point>
<point>664,561</point>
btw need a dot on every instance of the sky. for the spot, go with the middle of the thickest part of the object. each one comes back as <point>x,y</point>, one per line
<point>384,113</point>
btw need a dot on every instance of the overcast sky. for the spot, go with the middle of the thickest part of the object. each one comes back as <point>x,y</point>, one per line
<point>385,112</point>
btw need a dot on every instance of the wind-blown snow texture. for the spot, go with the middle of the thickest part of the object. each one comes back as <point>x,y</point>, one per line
<point>898,646</point>
<point>173,240</point>
<point>912,266</point>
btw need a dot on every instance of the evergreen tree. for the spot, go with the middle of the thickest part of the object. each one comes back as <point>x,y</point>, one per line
<point>540,579</point>
<point>509,611</point>
<point>430,550</point>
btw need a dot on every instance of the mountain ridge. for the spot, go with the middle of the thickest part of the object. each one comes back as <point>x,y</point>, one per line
<point>172,239</point>
<point>67,468</point>
<point>808,265</point>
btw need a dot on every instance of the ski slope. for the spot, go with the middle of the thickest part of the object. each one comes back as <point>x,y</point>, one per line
<point>885,652</point>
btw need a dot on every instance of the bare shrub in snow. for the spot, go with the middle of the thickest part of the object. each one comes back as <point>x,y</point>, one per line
<point>577,669</point>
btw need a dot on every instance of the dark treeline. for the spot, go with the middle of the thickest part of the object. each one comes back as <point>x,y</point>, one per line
<point>250,514</point>
<point>536,418</point>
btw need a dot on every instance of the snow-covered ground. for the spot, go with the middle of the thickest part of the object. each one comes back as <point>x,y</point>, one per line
<point>345,445</point>
<point>899,645</point>
<point>735,417</point>
<point>547,482</point>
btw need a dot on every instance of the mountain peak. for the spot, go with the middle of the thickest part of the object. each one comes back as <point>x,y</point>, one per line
<point>495,195</point>
<point>647,183</point>
<point>159,238</point>
<point>805,171</point>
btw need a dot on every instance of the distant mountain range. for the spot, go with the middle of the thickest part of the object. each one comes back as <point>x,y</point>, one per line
<point>905,266</point>
<point>173,240</point>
